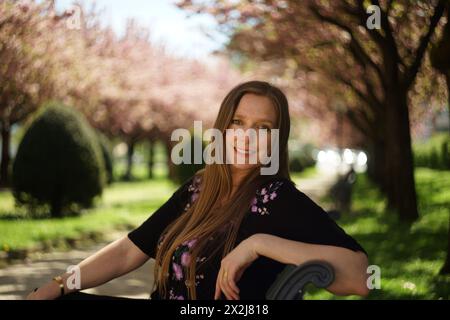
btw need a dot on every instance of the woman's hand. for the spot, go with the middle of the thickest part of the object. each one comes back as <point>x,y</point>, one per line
<point>233,266</point>
<point>32,296</point>
<point>49,291</point>
<point>46,292</point>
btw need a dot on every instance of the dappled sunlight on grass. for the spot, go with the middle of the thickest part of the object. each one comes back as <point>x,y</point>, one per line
<point>125,204</point>
<point>124,193</point>
<point>410,257</point>
<point>6,200</point>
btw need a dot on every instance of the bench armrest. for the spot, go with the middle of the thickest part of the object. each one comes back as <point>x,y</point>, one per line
<point>290,283</point>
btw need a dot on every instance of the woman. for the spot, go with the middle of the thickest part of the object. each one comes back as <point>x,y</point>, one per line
<point>228,231</point>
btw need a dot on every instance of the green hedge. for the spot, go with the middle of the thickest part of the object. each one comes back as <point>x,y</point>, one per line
<point>301,158</point>
<point>434,153</point>
<point>59,167</point>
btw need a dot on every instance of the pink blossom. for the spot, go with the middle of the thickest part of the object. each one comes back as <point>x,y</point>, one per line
<point>178,271</point>
<point>185,259</point>
<point>191,243</point>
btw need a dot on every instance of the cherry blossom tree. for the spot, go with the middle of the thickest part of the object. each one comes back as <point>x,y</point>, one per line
<point>29,45</point>
<point>377,64</point>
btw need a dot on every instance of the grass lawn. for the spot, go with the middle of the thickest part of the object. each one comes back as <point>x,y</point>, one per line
<point>409,257</point>
<point>123,204</point>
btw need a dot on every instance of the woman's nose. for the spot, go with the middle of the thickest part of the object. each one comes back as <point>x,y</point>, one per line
<point>246,138</point>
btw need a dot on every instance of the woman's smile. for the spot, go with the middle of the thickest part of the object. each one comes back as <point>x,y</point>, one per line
<point>244,152</point>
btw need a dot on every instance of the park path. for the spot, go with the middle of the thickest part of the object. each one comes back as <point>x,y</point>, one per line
<point>18,279</point>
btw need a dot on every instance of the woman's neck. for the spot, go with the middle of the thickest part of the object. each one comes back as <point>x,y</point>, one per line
<point>237,177</point>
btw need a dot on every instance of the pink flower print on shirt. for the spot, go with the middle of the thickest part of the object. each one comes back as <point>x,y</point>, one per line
<point>263,197</point>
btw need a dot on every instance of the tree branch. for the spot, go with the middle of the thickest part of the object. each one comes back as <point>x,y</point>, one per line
<point>355,46</point>
<point>361,122</point>
<point>364,59</point>
<point>373,104</point>
<point>411,72</point>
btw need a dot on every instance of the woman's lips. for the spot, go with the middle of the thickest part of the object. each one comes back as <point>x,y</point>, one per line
<point>245,152</point>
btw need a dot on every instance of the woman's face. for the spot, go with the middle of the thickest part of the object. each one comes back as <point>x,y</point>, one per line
<point>253,112</point>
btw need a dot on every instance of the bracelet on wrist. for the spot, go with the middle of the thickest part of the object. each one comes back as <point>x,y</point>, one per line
<point>60,282</point>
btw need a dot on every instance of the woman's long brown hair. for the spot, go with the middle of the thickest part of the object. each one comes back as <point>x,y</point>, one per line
<point>206,218</point>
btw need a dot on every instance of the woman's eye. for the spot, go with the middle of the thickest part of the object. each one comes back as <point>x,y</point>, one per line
<point>264,127</point>
<point>236,121</point>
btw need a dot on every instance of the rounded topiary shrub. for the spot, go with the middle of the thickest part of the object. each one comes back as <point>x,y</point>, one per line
<point>105,146</point>
<point>59,167</point>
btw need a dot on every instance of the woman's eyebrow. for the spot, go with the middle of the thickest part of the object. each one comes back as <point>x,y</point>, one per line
<point>265,121</point>
<point>261,120</point>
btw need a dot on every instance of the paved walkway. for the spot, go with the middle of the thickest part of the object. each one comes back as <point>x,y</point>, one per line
<point>18,279</point>
<point>316,186</point>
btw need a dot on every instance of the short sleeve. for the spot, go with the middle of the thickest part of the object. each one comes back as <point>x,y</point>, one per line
<point>146,236</point>
<point>293,215</point>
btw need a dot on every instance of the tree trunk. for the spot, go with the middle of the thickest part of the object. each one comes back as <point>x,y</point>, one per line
<point>130,152</point>
<point>400,185</point>
<point>376,166</point>
<point>447,80</point>
<point>170,165</point>
<point>4,166</point>
<point>151,155</point>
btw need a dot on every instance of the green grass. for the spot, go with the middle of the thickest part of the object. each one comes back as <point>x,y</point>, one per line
<point>122,204</point>
<point>6,203</point>
<point>409,257</point>
<point>434,152</point>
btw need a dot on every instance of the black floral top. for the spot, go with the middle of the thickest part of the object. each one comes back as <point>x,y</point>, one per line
<point>278,208</point>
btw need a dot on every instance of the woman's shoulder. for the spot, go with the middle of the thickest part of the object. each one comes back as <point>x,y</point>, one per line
<point>281,209</point>
<point>279,187</point>
<point>190,185</point>
<point>274,194</point>
<point>189,191</point>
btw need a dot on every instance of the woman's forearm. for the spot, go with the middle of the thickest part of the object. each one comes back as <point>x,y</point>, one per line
<point>111,262</point>
<point>114,260</point>
<point>350,267</point>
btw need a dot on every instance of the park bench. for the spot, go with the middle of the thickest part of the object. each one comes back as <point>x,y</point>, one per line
<point>291,282</point>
